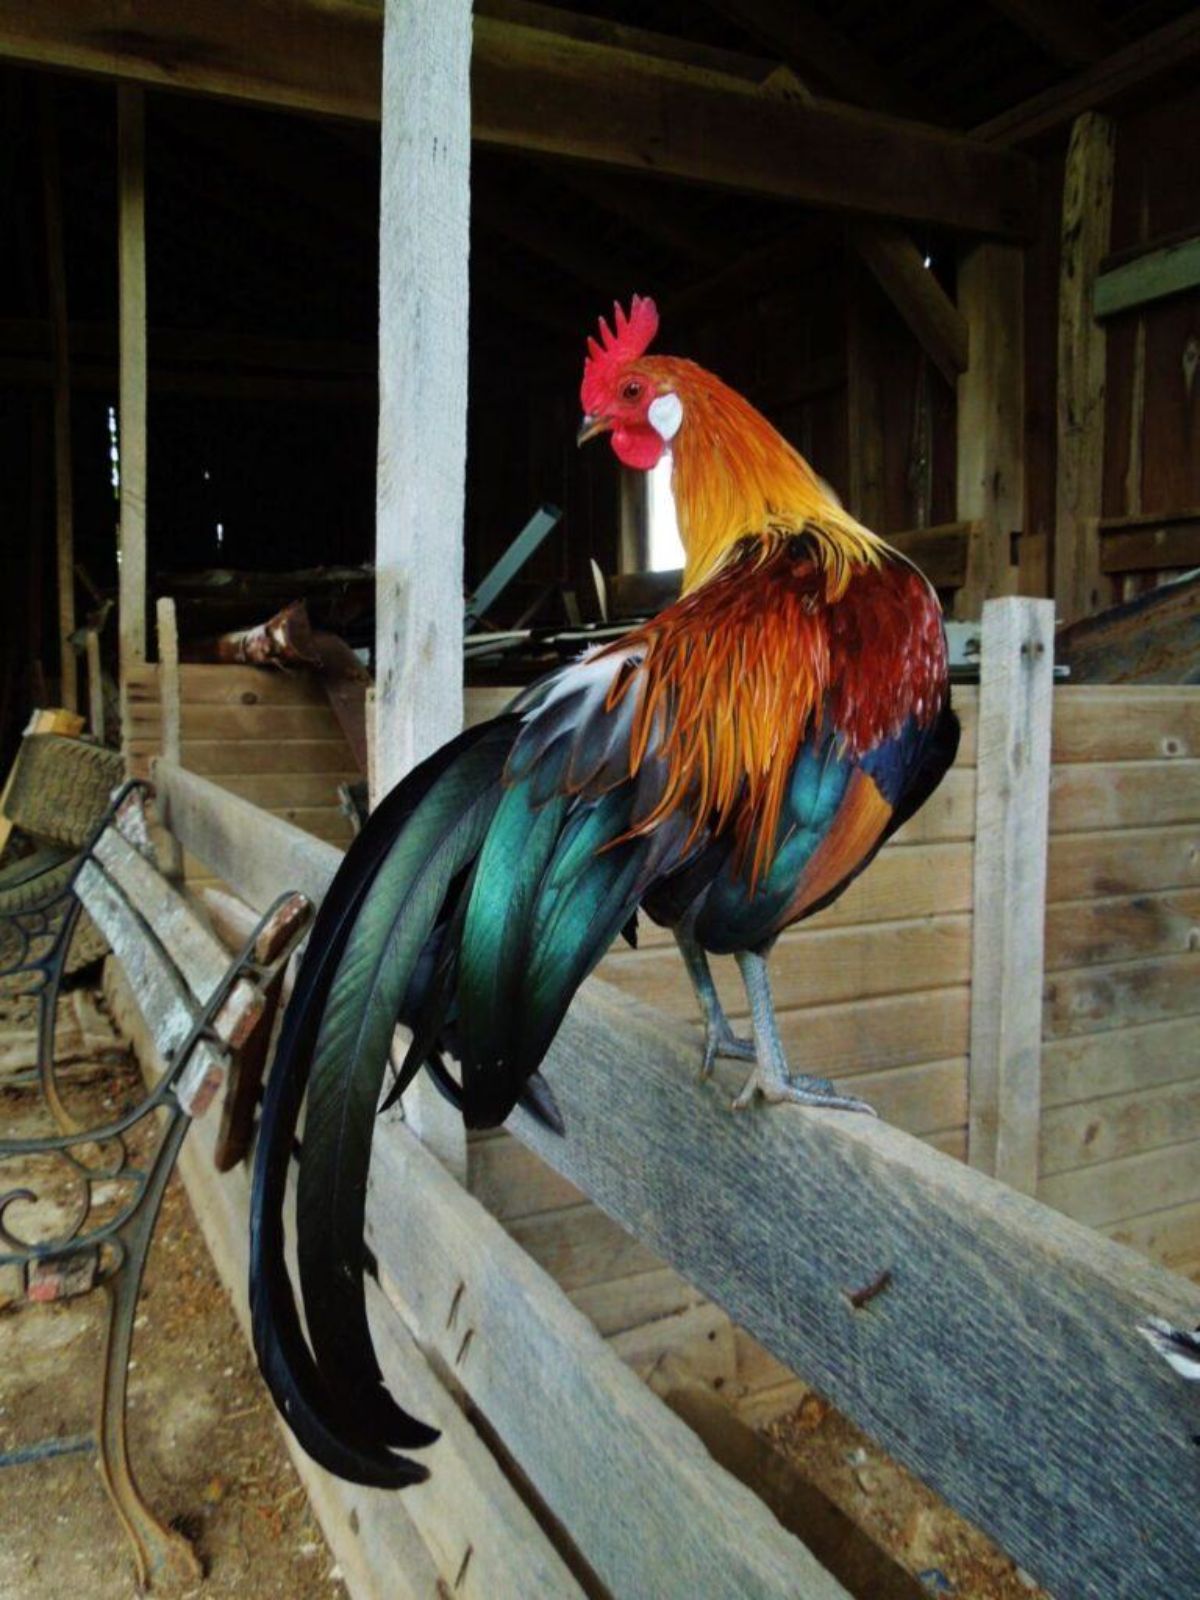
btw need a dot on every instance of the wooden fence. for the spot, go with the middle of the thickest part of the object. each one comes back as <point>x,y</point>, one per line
<point>898,988</point>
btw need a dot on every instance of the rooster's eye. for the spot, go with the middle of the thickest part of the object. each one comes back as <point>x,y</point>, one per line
<point>631,390</point>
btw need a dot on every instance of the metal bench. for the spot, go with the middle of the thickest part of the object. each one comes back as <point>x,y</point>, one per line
<point>211,1017</point>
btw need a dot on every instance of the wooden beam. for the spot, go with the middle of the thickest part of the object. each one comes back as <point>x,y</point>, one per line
<point>1154,273</point>
<point>95,683</point>
<point>1150,543</point>
<point>1086,222</point>
<point>1170,50</point>
<point>131,402</point>
<point>1071,31</point>
<point>941,552</point>
<point>588,29</point>
<point>866,491</point>
<point>555,95</point>
<point>1011,818</point>
<point>808,43</point>
<point>991,421</point>
<point>64,494</point>
<point>615,108</point>
<point>933,318</point>
<point>997,1307</point>
<point>421,485</point>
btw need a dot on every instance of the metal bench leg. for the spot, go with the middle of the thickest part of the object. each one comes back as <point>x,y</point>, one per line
<point>162,1555</point>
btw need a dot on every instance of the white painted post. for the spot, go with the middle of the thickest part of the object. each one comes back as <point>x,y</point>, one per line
<point>1011,812</point>
<point>424,206</point>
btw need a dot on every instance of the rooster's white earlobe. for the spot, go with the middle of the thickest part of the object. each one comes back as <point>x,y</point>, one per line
<point>665,414</point>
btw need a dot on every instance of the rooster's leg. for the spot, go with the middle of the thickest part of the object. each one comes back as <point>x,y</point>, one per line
<point>771,1077</point>
<point>719,1037</point>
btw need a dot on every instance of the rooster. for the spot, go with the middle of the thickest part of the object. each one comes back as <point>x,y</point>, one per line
<point>727,767</point>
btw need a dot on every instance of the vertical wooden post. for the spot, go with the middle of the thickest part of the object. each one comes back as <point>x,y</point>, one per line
<point>421,487</point>
<point>64,531</point>
<point>991,420</point>
<point>95,683</point>
<point>1011,810</point>
<point>1086,225</point>
<point>131,235</point>
<point>865,489</point>
<point>170,852</point>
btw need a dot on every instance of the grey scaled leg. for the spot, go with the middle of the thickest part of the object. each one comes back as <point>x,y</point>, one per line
<point>771,1077</point>
<point>719,1037</point>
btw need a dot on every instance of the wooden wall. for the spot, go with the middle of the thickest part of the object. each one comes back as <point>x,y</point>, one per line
<point>1120,1137</point>
<point>269,736</point>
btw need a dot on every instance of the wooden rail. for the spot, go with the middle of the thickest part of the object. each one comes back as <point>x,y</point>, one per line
<point>1002,1364</point>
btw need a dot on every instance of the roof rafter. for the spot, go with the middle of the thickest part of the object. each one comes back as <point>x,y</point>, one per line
<point>549,94</point>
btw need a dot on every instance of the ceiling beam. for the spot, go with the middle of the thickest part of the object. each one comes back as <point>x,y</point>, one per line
<point>898,266</point>
<point>551,95</point>
<point>802,38</point>
<point>1071,31</point>
<point>1170,49</point>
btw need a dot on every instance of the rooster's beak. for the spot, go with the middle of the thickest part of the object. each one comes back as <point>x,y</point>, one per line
<point>590,427</point>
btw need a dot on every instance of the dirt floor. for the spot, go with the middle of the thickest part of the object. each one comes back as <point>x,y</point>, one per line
<point>204,1443</point>
<point>943,1551</point>
<point>209,1456</point>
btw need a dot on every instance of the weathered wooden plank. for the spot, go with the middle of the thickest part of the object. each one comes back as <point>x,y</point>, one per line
<point>1151,640</point>
<point>168,679</point>
<point>929,1097</point>
<point>679,1525</point>
<point>1127,1187</point>
<point>622,1303</point>
<point>1171,1236</point>
<point>1086,221</point>
<point>1127,794</point>
<point>1122,1125</point>
<point>700,1336</point>
<point>211,683</point>
<point>580,1245</point>
<point>217,758</point>
<point>948,814</point>
<point>511,1181</point>
<point>811,968</point>
<point>1125,861</point>
<point>1160,544</point>
<point>1124,929</point>
<point>243,845</point>
<point>991,420</point>
<point>978,1269</point>
<point>161,991</point>
<point>1010,888</point>
<point>236,723</point>
<point>997,1309</point>
<point>275,791</point>
<point>1170,269</point>
<point>1093,999</point>
<point>1096,722</point>
<point>1127,1058</point>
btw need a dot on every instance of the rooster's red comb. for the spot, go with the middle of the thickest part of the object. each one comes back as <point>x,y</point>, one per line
<point>612,350</point>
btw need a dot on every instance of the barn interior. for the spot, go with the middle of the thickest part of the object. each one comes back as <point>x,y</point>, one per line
<point>952,252</point>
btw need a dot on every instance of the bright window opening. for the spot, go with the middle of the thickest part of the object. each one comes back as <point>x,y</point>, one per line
<point>664,549</point>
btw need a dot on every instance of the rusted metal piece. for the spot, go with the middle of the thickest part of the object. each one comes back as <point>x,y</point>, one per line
<point>1153,639</point>
<point>285,640</point>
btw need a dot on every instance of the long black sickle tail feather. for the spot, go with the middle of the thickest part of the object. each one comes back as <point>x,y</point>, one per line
<point>328,1430</point>
<point>413,892</point>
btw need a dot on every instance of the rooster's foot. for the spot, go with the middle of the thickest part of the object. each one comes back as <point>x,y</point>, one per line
<point>721,1041</point>
<point>776,1086</point>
